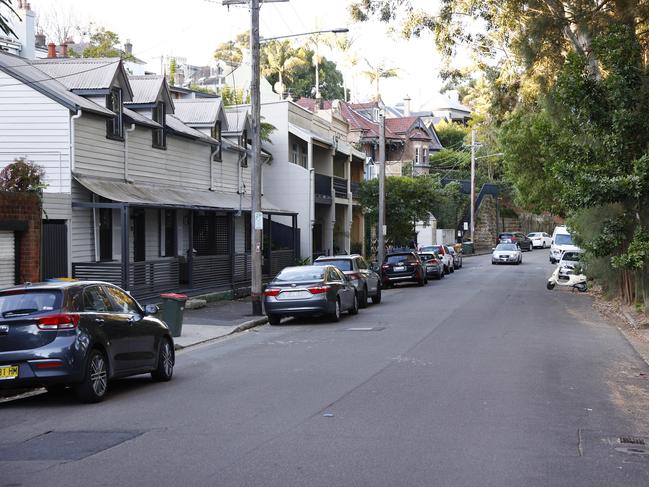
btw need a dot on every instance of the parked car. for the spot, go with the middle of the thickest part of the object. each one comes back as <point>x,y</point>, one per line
<point>311,290</point>
<point>457,257</point>
<point>561,242</point>
<point>508,253</point>
<point>433,264</point>
<point>540,240</point>
<point>402,267</point>
<point>517,238</point>
<point>366,282</point>
<point>80,334</point>
<point>442,251</point>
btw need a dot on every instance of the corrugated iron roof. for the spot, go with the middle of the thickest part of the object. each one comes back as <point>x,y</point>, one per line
<point>180,128</point>
<point>140,119</point>
<point>237,119</point>
<point>198,111</point>
<point>33,76</point>
<point>80,73</point>
<point>146,88</point>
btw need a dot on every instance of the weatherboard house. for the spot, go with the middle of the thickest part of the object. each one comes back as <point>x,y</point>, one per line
<point>142,189</point>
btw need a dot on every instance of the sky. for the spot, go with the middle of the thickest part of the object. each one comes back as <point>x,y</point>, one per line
<point>193,28</point>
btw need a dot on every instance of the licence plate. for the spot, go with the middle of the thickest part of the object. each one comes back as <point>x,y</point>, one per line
<point>295,294</point>
<point>8,372</point>
<point>399,268</point>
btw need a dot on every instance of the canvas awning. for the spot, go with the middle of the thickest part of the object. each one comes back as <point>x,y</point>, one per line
<point>139,194</point>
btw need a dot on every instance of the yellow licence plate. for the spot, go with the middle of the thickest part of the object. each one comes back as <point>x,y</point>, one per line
<point>8,372</point>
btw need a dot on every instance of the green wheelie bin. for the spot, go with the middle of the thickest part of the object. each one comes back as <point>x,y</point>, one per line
<point>173,306</point>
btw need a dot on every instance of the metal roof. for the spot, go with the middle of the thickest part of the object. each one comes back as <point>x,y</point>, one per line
<point>237,119</point>
<point>34,77</point>
<point>157,195</point>
<point>81,73</point>
<point>198,111</point>
<point>176,125</point>
<point>140,119</point>
<point>146,88</point>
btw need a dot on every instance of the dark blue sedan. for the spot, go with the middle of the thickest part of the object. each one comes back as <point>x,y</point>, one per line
<point>79,334</point>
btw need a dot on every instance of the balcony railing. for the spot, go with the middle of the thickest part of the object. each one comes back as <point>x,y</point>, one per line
<point>322,188</point>
<point>340,187</point>
<point>355,187</point>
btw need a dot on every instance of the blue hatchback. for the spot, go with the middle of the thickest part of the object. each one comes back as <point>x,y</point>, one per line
<point>79,334</point>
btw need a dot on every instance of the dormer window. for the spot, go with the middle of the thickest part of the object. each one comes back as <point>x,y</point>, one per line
<point>243,142</point>
<point>115,125</point>
<point>159,136</point>
<point>216,134</point>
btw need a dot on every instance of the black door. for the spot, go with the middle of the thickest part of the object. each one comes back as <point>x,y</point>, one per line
<point>139,236</point>
<point>54,249</point>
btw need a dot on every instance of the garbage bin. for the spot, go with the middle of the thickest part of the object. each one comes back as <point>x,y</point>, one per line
<point>467,248</point>
<point>173,306</point>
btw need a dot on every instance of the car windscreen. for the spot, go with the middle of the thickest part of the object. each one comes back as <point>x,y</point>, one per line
<point>427,256</point>
<point>506,235</point>
<point>292,274</point>
<point>398,259</point>
<point>572,256</point>
<point>342,264</point>
<point>530,235</point>
<point>563,239</point>
<point>506,247</point>
<point>21,303</point>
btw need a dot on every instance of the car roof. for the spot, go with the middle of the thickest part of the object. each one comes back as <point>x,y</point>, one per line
<point>54,284</point>
<point>325,258</point>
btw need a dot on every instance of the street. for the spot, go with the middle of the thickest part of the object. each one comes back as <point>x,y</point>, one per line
<point>482,379</point>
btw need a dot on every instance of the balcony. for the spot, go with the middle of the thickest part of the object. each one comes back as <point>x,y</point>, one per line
<point>322,189</point>
<point>355,187</point>
<point>340,187</point>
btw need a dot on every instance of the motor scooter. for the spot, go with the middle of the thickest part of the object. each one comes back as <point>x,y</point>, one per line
<point>567,276</point>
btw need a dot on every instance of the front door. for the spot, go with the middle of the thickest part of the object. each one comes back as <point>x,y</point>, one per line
<point>139,236</point>
<point>54,249</point>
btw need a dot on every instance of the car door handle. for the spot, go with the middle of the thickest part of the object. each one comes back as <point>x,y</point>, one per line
<point>99,320</point>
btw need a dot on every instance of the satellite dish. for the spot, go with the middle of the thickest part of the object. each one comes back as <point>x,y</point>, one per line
<point>279,88</point>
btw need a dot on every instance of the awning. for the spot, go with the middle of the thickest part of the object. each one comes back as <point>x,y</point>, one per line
<point>139,194</point>
<point>308,136</point>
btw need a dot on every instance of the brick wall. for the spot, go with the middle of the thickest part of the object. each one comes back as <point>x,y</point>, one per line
<point>24,207</point>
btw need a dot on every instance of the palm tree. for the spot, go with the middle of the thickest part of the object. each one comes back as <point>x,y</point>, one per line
<point>344,44</point>
<point>4,19</point>
<point>378,72</point>
<point>280,57</point>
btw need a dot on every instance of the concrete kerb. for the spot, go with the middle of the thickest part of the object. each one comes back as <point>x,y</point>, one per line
<point>246,325</point>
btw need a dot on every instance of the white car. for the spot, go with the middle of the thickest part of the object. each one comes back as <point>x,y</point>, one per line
<point>444,255</point>
<point>540,240</point>
<point>507,254</point>
<point>561,242</point>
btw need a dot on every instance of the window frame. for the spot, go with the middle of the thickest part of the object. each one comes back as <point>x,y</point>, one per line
<point>115,125</point>
<point>217,133</point>
<point>295,153</point>
<point>159,136</point>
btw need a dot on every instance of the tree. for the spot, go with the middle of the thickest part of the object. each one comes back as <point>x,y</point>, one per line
<point>231,96</point>
<point>22,175</point>
<point>451,135</point>
<point>378,72</point>
<point>280,58</point>
<point>231,52</point>
<point>5,5</point>
<point>102,43</point>
<point>60,23</point>
<point>344,44</point>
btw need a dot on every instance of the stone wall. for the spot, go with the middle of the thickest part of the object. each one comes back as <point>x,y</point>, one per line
<point>485,224</point>
<point>21,213</point>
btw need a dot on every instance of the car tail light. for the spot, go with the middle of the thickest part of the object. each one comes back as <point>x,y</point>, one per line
<point>385,266</point>
<point>53,364</point>
<point>58,322</point>
<point>272,292</point>
<point>319,289</point>
<point>354,275</point>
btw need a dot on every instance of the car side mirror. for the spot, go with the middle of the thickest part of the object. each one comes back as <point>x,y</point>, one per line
<point>151,309</point>
<point>493,248</point>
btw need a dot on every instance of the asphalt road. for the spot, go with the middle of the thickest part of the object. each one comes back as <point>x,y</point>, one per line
<point>482,379</point>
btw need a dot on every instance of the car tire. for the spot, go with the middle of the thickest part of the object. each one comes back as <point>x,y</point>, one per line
<point>94,385</point>
<point>274,320</point>
<point>451,269</point>
<point>441,275</point>
<point>362,298</point>
<point>166,360</point>
<point>376,299</point>
<point>354,309</point>
<point>335,316</point>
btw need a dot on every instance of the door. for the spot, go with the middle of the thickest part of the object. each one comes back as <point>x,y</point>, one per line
<point>139,236</point>
<point>371,277</point>
<point>98,311</point>
<point>141,331</point>
<point>54,249</point>
<point>7,259</point>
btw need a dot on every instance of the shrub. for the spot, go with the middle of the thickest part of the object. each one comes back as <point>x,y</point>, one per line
<point>22,175</point>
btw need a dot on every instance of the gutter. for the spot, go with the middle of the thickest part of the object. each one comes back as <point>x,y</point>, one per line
<point>126,132</point>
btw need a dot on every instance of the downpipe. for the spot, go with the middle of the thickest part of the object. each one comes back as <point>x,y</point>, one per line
<point>126,132</point>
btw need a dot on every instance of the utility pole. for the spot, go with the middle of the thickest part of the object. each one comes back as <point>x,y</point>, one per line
<point>473,147</point>
<point>381,256</point>
<point>257,220</point>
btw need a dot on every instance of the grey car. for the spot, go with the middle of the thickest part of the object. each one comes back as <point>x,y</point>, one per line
<point>457,257</point>
<point>365,280</point>
<point>309,291</point>
<point>79,334</point>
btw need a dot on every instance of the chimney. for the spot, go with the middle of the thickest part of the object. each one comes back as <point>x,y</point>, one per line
<point>128,47</point>
<point>40,40</point>
<point>25,30</point>
<point>51,50</point>
<point>64,49</point>
<point>406,106</point>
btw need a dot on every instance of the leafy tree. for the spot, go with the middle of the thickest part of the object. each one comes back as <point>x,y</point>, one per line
<point>5,5</point>
<point>22,175</point>
<point>232,51</point>
<point>451,135</point>
<point>102,43</point>
<point>280,58</point>
<point>231,96</point>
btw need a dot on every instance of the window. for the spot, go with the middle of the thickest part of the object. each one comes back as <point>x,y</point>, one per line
<point>243,142</point>
<point>295,154</point>
<point>115,125</point>
<point>211,234</point>
<point>168,233</point>
<point>425,158</point>
<point>304,157</point>
<point>216,134</point>
<point>416,155</point>
<point>121,302</point>
<point>94,299</point>
<point>159,135</point>
<point>105,234</point>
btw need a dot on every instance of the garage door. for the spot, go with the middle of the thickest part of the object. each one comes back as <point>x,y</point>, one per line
<point>7,259</point>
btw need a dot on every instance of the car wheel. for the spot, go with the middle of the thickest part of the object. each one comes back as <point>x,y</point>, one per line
<point>441,274</point>
<point>94,385</point>
<point>274,320</point>
<point>354,309</point>
<point>451,268</point>
<point>376,299</point>
<point>166,360</point>
<point>362,299</point>
<point>335,316</point>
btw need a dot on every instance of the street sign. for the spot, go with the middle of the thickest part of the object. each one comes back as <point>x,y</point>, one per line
<point>259,220</point>
<point>466,225</point>
<point>385,230</point>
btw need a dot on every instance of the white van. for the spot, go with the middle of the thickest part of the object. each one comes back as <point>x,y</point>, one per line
<point>561,242</point>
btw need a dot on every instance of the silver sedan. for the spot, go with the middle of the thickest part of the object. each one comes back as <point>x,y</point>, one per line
<point>507,254</point>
